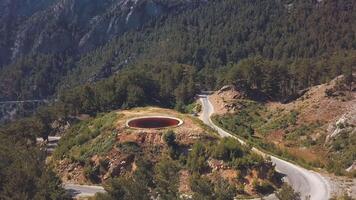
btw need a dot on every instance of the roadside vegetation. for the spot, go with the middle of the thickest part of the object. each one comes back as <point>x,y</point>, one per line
<point>88,138</point>
<point>278,131</point>
<point>146,169</point>
<point>23,170</point>
<point>161,179</point>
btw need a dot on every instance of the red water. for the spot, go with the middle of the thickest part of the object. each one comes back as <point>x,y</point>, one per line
<point>153,122</point>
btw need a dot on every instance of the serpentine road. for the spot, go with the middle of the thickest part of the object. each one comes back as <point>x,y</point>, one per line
<point>308,183</point>
<point>74,190</point>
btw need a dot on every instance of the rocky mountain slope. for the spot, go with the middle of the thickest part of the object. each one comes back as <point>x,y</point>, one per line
<point>12,14</point>
<point>319,127</point>
<point>73,26</point>
<point>63,43</point>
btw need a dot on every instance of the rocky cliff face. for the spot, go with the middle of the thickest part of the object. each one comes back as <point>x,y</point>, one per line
<point>12,14</point>
<point>12,111</point>
<point>30,30</point>
<point>74,26</point>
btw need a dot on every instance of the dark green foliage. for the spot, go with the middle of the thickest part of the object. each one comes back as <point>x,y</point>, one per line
<point>129,147</point>
<point>135,187</point>
<point>126,189</point>
<point>33,77</point>
<point>287,193</point>
<point>132,88</point>
<point>302,130</point>
<point>344,151</point>
<point>245,120</point>
<point>263,187</point>
<point>144,172</point>
<point>223,190</point>
<point>196,161</point>
<point>204,189</point>
<point>248,161</point>
<point>91,173</point>
<point>286,47</point>
<point>265,47</point>
<point>173,148</point>
<point>167,179</point>
<point>228,150</point>
<point>23,172</point>
<point>76,144</point>
<point>170,138</point>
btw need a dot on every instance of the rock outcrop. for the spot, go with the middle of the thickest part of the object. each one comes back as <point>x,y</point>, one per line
<point>73,26</point>
<point>346,124</point>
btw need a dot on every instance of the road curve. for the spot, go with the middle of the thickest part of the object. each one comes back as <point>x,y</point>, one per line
<point>308,183</point>
<point>74,190</point>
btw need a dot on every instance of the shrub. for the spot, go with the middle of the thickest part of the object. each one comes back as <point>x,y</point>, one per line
<point>329,92</point>
<point>91,173</point>
<point>169,138</point>
<point>196,161</point>
<point>264,187</point>
<point>129,147</point>
<point>228,149</point>
<point>167,179</point>
<point>287,193</point>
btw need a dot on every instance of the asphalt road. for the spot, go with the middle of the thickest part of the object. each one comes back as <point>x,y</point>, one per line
<point>74,190</point>
<point>308,183</point>
<point>83,190</point>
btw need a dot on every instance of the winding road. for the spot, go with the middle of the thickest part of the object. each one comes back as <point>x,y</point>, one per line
<point>308,183</point>
<point>74,190</point>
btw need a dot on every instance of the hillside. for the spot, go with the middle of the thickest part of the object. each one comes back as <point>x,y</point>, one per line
<point>104,149</point>
<point>108,59</point>
<point>317,129</point>
<point>61,27</point>
<point>98,40</point>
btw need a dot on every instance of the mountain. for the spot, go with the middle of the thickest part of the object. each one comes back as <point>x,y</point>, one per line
<point>73,26</point>
<point>89,36</point>
<point>89,57</point>
<point>50,41</point>
<point>57,45</point>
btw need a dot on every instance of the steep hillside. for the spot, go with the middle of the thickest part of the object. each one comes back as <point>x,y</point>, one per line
<point>12,14</point>
<point>317,129</point>
<point>104,149</point>
<point>89,41</point>
<point>72,26</point>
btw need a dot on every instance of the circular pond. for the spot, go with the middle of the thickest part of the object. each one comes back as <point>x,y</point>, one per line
<point>154,122</point>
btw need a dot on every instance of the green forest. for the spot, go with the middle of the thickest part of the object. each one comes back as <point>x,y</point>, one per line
<point>305,44</point>
<point>272,48</point>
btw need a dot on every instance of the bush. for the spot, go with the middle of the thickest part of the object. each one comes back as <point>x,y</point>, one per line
<point>287,193</point>
<point>329,92</point>
<point>228,149</point>
<point>250,160</point>
<point>129,147</point>
<point>167,179</point>
<point>196,161</point>
<point>169,138</point>
<point>264,187</point>
<point>91,173</point>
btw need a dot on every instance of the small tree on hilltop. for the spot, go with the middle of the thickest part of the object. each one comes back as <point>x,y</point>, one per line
<point>170,138</point>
